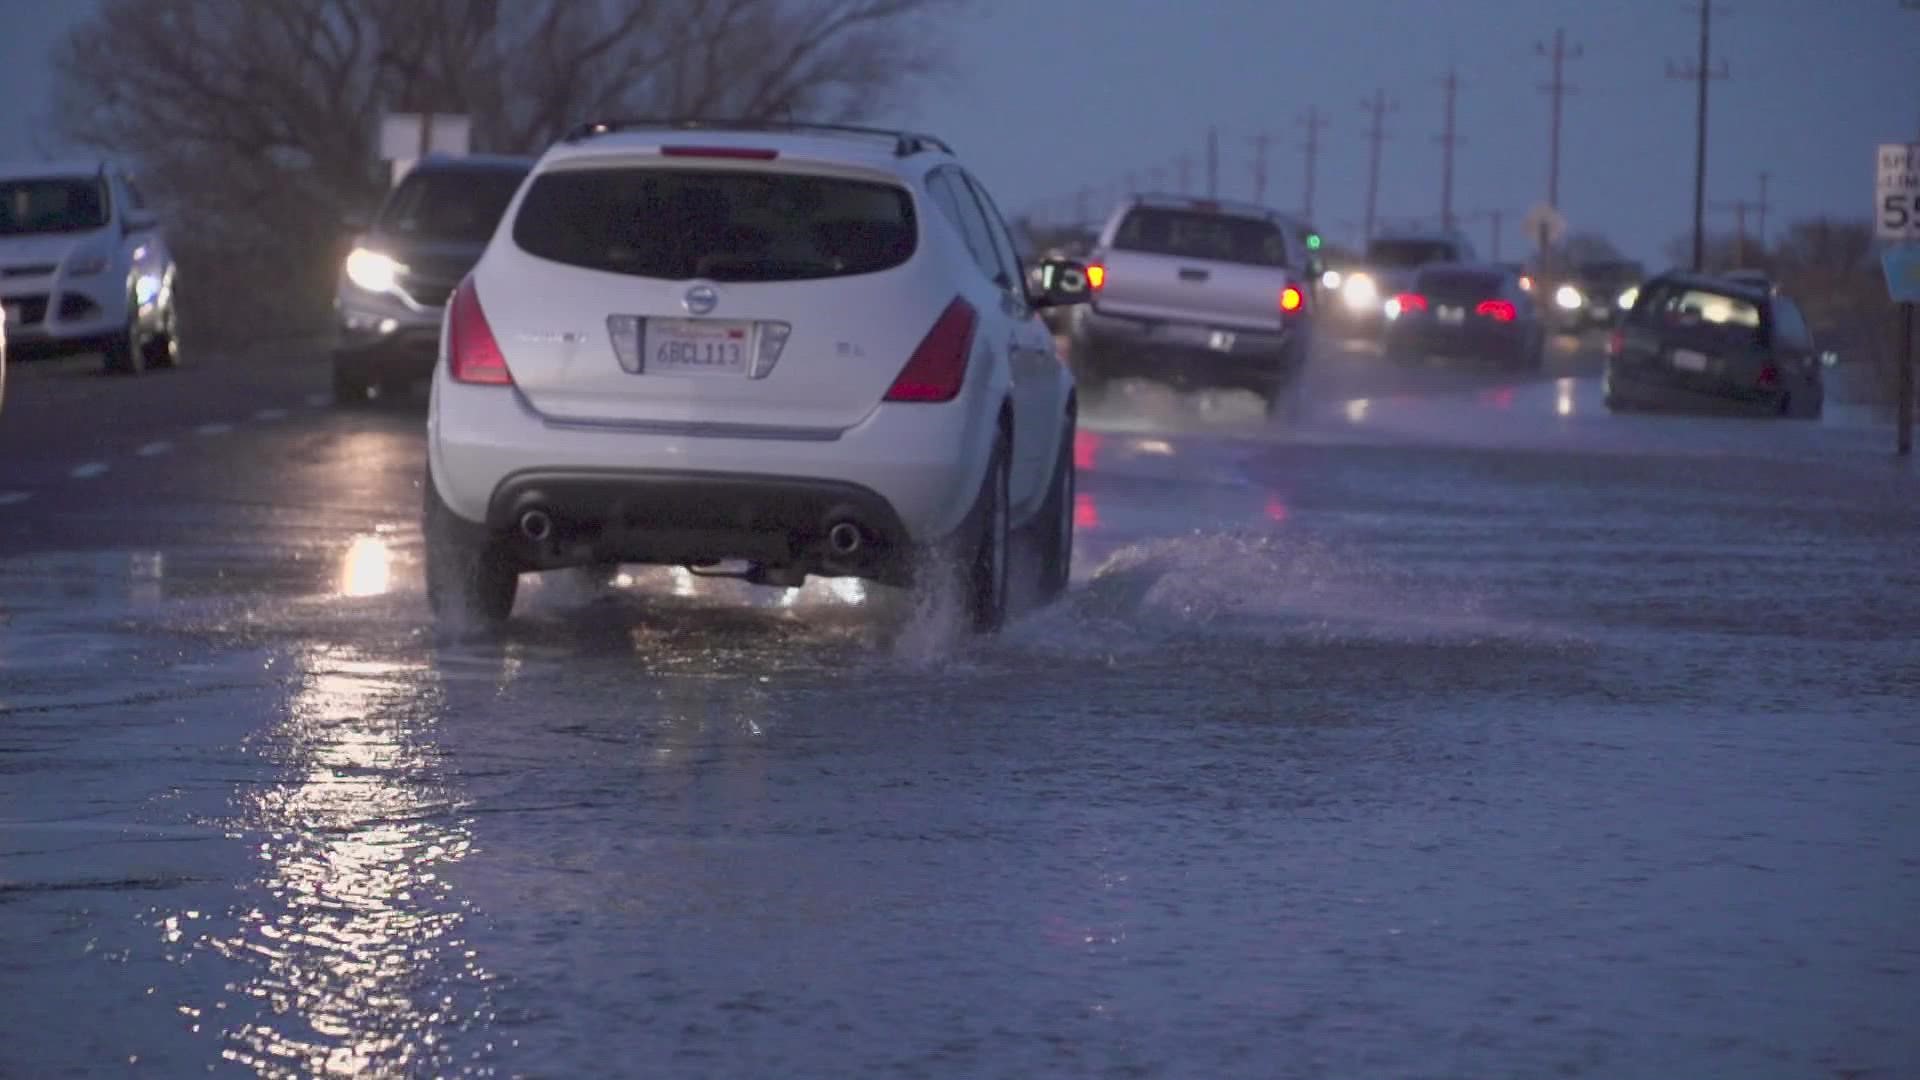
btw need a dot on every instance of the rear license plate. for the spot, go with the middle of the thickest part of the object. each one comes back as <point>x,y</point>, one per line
<point>1450,314</point>
<point>697,347</point>
<point>1688,360</point>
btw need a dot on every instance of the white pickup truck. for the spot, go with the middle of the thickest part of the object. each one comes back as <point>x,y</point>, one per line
<point>1196,292</point>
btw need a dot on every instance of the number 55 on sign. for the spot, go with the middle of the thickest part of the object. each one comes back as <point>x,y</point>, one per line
<point>1896,198</point>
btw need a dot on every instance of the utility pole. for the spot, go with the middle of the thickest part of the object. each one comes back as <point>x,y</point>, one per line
<point>1315,124</point>
<point>1377,108</point>
<point>1213,163</point>
<point>1260,144</point>
<point>1763,207</point>
<point>1448,138</point>
<point>1702,73</point>
<point>1557,89</point>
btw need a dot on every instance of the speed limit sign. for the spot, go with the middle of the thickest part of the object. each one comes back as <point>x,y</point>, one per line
<point>1896,198</point>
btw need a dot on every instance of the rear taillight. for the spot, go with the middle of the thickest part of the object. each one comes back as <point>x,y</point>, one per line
<point>737,153</point>
<point>938,366</point>
<point>1292,299</point>
<point>1410,301</point>
<point>1096,276</point>
<point>1616,343</point>
<point>473,356</point>
<point>1769,377</point>
<point>1498,310</point>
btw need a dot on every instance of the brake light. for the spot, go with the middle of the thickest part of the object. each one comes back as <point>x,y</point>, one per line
<point>1291,299</point>
<point>738,153</point>
<point>935,371</point>
<point>1769,377</point>
<point>1616,343</point>
<point>1498,310</point>
<point>1410,301</point>
<point>473,356</point>
<point>1097,277</point>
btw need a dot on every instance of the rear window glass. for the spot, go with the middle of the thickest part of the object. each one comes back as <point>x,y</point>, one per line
<point>1191,234</point>
<point>1462,284</point>
<point>454,206</point>
<point>1408,254</point>
<point>1733,319</point>
<point>719,225</point>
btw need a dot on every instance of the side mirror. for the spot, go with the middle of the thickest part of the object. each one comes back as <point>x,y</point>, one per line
<point>1061,283</point>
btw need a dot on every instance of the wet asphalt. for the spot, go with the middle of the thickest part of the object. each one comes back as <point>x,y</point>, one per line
<point>1446,726</point>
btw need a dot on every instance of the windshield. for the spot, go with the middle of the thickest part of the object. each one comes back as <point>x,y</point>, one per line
<point>1408,254</point>
<point>62,205</point>
<point>1193,234</point>
<point>453,206</point>
<point>722,225</point>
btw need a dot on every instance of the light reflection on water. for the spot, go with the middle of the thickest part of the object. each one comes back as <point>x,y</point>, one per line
<point>367,569</point>
<point>351,951</point>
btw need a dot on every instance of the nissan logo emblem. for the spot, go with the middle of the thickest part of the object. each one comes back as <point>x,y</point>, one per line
<point>700,299</point>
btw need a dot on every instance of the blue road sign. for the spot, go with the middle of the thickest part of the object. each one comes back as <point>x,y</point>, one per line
<point>1902,265</point>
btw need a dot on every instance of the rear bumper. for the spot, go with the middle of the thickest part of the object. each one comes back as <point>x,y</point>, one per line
<point>1652,386</point>
<point>1428,338</point>
<point>679,518</point>
<point>1114,346</point>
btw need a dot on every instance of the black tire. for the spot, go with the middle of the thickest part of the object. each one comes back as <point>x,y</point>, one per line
<point>122,353</point>
<point>1053,525</point>
<point>471,581</point>
<point>986,567</point>
<point>350,385</point>
<point>162,350</point>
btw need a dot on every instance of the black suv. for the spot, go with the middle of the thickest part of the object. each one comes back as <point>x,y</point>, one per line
<point>428,234</point>
<point>1696,340</point>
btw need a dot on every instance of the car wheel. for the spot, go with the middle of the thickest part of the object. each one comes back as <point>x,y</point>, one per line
<point>1053,529</point>
<point>162,350</point>
<point>349,385</point>
<point>986,577</point>
<point>471,581</point>
<point>123,351</point>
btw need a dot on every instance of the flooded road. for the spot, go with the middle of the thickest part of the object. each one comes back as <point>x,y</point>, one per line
<point>1450,727</point>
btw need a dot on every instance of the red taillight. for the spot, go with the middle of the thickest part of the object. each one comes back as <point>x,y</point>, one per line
<point>738,153</point>
<point>473,356</point>
<point>1616,343</point>
<point>1291,299</point>
<point>1498,310</point>
<point>1096,277</point>
<point>1769,377</point>
<point>940,363</point>
<point>1410,301</point>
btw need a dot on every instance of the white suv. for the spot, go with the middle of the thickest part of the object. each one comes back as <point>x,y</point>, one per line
<point>767,351</point>
<point>84,266</point>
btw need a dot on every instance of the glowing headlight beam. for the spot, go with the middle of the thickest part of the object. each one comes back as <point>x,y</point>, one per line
<point>372,271</point>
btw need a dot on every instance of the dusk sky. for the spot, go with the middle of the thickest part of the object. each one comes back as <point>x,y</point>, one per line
<point>1048,97</point>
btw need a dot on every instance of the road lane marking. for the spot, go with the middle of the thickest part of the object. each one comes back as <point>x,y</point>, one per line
<point>154,449</point>
<point>13,498</point>
<point>270,414</point>
<point>213,429</point>
<point>88,471</point>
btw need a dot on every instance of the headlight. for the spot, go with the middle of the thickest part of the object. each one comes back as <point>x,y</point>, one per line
<point>86,265</point>
<point>1568,297</point>
<point>1330,280</point>
<point>1360,293</point>
<point>371,270</point>
<point>1625,300</point>
<point>1392,309</point>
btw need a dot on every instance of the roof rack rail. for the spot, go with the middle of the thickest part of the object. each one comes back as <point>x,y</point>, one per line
<point>905,143</point>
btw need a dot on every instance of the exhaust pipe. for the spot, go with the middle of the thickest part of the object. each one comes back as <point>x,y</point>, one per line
<point>536,526</point>
<point>844,539</point>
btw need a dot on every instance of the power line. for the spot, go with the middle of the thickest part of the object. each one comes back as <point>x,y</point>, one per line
<point>1448,138</point>
<point>1260,144</point>
<point>1315,124</point>
<point>1702,73</point>
<point>1377,108</point>
<point>1557,89</point>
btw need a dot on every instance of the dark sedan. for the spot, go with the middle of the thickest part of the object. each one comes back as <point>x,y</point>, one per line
<point>1696,341</point>
<point>1465,311</point>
